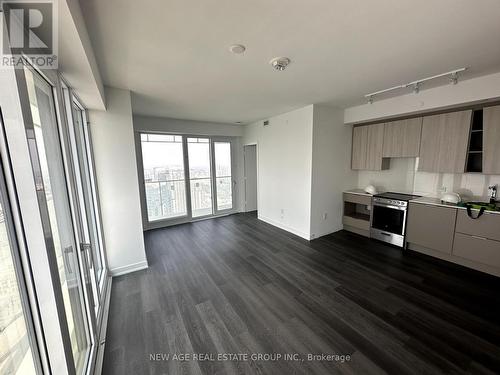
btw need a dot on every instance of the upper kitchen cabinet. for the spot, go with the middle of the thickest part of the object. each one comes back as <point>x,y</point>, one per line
<point>444,142</point>
<point>491,140</point>
<point>402,138</point>
<point>367,147</point>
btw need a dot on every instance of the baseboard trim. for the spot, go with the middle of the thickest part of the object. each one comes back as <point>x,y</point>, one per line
<point>118,271</point>
<point>104,327</point>
<point>285,227</point>
<point>325,233</point>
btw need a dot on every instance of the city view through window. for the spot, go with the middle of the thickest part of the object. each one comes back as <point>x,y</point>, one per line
<point>164,176</point>
<point>15,352</point>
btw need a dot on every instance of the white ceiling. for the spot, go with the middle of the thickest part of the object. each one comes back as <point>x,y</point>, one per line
<point>173,54</point>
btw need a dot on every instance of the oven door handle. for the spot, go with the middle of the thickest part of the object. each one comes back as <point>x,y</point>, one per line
<point>390,206</point>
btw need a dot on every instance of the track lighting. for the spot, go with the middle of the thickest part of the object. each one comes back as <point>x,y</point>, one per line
<point>415,85</point>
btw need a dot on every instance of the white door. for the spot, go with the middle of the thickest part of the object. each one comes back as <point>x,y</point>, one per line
<point>250,154</point>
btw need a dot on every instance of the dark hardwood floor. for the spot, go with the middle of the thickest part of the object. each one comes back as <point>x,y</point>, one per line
<point>238,285</point>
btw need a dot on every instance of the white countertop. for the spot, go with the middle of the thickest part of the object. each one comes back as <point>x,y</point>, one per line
<point>437,202</point>
<point>358,192</point>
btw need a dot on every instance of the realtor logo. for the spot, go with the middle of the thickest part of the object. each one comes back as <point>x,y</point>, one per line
<point>29,32</point>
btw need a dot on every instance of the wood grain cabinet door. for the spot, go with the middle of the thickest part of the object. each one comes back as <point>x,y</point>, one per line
<point>375,147</point>
<point>359,147</point>
<point>432,227</point>
<point>367,146</point>
<point>491,140</point>
<point>444,142</point>
<point>402,138</point>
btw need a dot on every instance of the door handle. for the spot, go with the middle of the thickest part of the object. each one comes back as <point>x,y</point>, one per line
<point>86,248</point>
<point>68,250</point>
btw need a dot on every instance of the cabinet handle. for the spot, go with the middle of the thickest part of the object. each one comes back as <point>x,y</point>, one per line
<point>479,238</point>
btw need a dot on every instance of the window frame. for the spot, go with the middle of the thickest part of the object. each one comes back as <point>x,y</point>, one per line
<point>160,223</point>
<point>20,258</point>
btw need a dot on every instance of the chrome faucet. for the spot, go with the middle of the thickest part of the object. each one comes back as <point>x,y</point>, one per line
<point>493,193</point>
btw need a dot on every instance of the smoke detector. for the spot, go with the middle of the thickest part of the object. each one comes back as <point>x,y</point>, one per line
<point>237,49</point>
<point>280,63</point>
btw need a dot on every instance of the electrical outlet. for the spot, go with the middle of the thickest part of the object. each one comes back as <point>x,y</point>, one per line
<point>325,215</point>
<point>442,189</point>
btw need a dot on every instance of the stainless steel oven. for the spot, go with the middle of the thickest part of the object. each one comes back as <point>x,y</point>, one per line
<point>388,219</point>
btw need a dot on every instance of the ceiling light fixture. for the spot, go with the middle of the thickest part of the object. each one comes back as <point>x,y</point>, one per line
<point>416,85</point>
<point>237,49</point>
<point>280,63</point>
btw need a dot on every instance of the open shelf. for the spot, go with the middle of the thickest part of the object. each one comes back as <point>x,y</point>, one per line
<point>475,162</point>
<point>475,148</point>
<point>359,216</point>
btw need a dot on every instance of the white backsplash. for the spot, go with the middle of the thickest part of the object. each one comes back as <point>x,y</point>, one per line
<point>404,177</point>
<point>400,177</point>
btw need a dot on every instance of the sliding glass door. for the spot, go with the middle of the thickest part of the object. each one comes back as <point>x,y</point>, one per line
<point>91,241</point>
<point>16,353</point>
<point>164,176</point>
<point>200,176</point>
<point>223,175</point>
<point>53,200</point>
<point>185,177</point>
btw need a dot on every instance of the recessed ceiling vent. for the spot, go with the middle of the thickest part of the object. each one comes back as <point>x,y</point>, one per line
<point>237,49</point>
<point>266,122</point>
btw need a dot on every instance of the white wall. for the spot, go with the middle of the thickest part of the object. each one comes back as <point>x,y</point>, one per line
<point>164,124</point>
<point>284,168</point>
<point>476,90</point>
<point>250,174</point>
<point>404,177</point>
<point>399,177</point>
<point>116,169</point>
<point>331,172</point>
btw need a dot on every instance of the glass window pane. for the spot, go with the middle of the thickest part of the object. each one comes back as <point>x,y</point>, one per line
<point>15,351</point>
<point>201,197</point>
<point>85,171</point>
<point>224,193</point>
<point>59,217</point>
<point>200,176</point>
<point>223,181</point>
<point>222,159</point>
<point>160,138</point>
<point>199,160</point>
<point>163,164</point>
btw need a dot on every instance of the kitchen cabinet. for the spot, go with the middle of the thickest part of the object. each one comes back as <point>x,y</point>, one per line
<point>444,142</point>
<point>491,140</point>
<point>477,249</point>
<point>478,239</point>
<point>487,225</point>
<point>402,138</point>
<point>357,211</point>
<point>367,147</point>
<point>432,227</point>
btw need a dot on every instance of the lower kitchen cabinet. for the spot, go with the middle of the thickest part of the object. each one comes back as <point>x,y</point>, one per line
<point>477,249</point>
<point>432,227</point>
<point>450,234</point>
<point>357,210</point>
<point>487,226</point>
